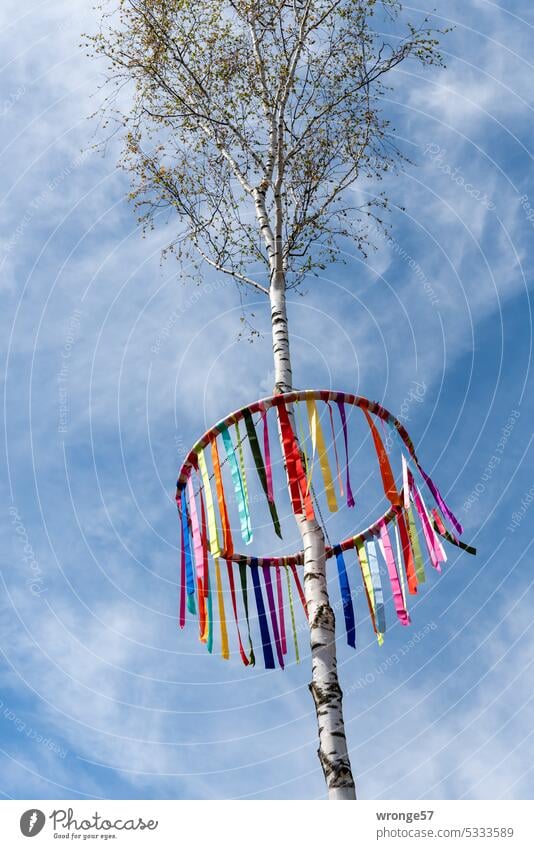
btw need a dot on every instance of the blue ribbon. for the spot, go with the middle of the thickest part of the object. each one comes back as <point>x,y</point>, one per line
<point>190,578</point>
<point>268,655</point>
<point>377,587</point>
<point>209,642</point>
<point>348,609</point>
<point>244,516</point>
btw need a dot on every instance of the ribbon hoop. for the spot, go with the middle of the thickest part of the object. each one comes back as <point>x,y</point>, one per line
<point>206,524</point>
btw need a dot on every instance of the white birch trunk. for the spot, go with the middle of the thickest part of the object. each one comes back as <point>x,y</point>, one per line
<point>324,685</point>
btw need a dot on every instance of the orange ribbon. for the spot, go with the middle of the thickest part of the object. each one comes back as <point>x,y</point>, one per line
<point>407,555</point>
<point>227,533</point>
<point>385,467</point>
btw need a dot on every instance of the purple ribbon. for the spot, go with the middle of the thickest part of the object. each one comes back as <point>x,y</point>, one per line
<point>341,407</point>
<point>272,611</point>
<point>443,507</point>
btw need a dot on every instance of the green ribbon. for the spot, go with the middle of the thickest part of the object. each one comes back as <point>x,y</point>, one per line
<point>260,467</point>
<point>243,579</point>
<point>292,609</point>
<point>416,548</point>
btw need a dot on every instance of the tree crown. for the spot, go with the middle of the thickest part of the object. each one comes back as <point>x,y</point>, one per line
<point>252,119</point>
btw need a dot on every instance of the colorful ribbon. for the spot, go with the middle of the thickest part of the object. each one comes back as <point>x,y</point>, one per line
<point>268,656</point>
<point>203,581</point>
<point>281,618</point>
<point>441,501</point>
<point>244,515</point>
<point>388,479</point>
<point>368,586</point>
<point>398,563</point>
<point>267,452</point>
<point>350,497</point>
<point>195,531</point>
<point>229,567</point>
<point>338,470</point>
<point>416,548</point>
<point>209,605</point>
<point>318,444</point>
<point>302,436</point>
<point>215,547</point>
<point>272,613</point>
<point>428,530</point>
<point>445,509</point>
<point>298,488</point>
<point>441,529</point>
<point>241,460</point>
<point>260,468</point>
<point>190,576</point>
<point>405,484</point>
<point>198,549</point>
<point>223,510</point>
<point>243,579</point>
<point>225,651</point>
<point>292,612</point>
<point>438,548</point>
<point>300,591</point>
<point>344,587</point>
<point>377,586</point>
<point>407,555</point>
<point>389,557</point>
<point>182,570</point>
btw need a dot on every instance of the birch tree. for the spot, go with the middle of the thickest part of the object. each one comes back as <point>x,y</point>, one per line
<point>258,124</point>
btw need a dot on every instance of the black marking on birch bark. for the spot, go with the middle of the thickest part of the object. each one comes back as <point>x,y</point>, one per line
<point>323,617</point>
<point>325,695</point>
<point>311,576</point>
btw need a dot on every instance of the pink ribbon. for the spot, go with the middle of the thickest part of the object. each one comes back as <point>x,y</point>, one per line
<point>280,599</point>
<point>401,611</point>
<point>182,569</point>
<point>195,530</point>
<point>434,547</point>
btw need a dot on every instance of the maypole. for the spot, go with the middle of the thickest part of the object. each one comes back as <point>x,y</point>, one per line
<point>396,543</point>
<point>251,121</point>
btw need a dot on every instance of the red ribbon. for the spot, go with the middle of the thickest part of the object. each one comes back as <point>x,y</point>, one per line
<point>229,567</point>
<point>299,588</point>
<point>296,476</point>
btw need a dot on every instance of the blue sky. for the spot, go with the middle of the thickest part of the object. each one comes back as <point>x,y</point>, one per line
<point>114,367</point>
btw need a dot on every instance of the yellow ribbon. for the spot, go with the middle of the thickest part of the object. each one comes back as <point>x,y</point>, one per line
<point>366,574</point>
<point>302,445</point>
<point>222,615</point>
<point>318,442</point>
<point>215,547</point>
<point>292,610</point>
<point>416,548</point>
<point>241,462</point>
